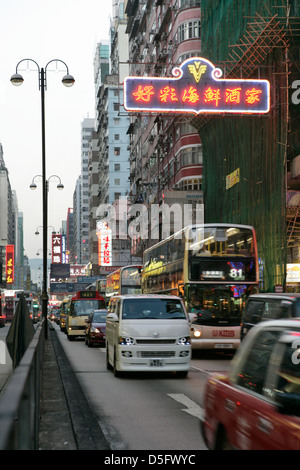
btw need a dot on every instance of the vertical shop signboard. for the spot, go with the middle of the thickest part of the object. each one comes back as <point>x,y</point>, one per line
<point>9,264</point>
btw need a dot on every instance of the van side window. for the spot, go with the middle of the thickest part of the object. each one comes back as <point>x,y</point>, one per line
<point>254,311</point>
<point>272,310</point>
<point>117,308</point>
<point>111,307</point>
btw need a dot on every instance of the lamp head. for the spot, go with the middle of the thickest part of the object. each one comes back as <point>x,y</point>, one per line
<point>68,80</point>
<point>33,186</point>
<point>60,186</point>
<point>17,79</point>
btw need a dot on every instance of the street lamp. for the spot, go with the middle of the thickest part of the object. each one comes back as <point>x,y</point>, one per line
<point>49,226</point>
<point>68,80</point>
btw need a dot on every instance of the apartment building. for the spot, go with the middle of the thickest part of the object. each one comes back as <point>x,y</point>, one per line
<point>165,149</point>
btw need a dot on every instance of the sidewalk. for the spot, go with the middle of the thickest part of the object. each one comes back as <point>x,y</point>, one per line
<point>67,421</point>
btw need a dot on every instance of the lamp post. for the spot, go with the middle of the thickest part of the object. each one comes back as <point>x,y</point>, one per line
<point>33,186</point>
<point>68,81</point>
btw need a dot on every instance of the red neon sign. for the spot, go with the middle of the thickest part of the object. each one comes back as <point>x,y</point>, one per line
<point>196,87</point>
<point>9,264</point>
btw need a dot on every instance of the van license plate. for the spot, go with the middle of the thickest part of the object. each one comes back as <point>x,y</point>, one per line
<point>223,346</point>
<point>156,363</point>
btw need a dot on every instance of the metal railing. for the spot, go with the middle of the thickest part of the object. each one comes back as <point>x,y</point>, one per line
<point>20,400</point>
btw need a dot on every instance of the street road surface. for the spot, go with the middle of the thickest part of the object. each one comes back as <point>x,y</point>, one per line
<point>144,411</point>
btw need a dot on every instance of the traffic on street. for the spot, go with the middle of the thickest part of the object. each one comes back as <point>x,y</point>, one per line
<point>160,289</point>
<point>144,410</point>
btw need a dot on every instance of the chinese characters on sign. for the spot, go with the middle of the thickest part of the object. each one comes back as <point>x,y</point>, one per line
<point>56,248</point>
<point>196,88</point>
<point>104,245</point>
<point>9,264</point>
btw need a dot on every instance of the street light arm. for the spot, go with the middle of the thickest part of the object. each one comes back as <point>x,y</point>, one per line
<point>68,80</point>
<point>28,60</point>
<point>57,60</point>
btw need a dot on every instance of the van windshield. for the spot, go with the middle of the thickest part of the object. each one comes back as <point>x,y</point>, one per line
<point>156,309</point>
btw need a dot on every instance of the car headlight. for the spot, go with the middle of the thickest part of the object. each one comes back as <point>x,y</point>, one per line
<point>197,333</point>
<point>95,330</point>
<point>126,341</point>
<point>184,340</point>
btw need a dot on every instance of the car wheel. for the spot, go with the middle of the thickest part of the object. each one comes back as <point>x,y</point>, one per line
<point>71,338</point>
<point>222,442</point>
<point>108,366</point>
<point>117,373</point>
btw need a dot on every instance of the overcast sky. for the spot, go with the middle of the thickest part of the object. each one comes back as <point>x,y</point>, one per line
<point>43,30</point>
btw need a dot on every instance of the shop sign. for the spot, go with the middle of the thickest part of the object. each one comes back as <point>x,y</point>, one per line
<point>196,87</point>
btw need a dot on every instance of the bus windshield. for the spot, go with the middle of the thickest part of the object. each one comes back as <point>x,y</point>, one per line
<point>153,309</point>
<point>217,304</point>
<point>222,241</point>
<point>84,307</point>
<point>222,254</point>
<point>131,280</point>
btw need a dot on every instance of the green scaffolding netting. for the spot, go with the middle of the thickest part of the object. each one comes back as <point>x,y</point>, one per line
<point>252,39</point>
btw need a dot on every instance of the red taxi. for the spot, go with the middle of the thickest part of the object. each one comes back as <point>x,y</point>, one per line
<point>257,405</point>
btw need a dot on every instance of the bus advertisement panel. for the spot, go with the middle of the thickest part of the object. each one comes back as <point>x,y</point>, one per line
<point>125,280</point>
<point>214,268</point>
<point>79,307</point>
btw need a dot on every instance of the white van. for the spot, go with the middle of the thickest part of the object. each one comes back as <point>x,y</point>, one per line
<point>147,333</point>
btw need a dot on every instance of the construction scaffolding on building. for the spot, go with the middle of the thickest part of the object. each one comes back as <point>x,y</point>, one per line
<point>253,154</point>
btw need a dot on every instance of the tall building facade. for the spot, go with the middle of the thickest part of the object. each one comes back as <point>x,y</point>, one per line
<point>11,232</point>
<point>87,129</point>
<point>113,140</point>
<point>165,150</point>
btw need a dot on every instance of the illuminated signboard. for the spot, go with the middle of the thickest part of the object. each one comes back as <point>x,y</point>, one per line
<point>196,87</point>
<point>104,245</point>
<point>56,249</point>
<point>9,264</point>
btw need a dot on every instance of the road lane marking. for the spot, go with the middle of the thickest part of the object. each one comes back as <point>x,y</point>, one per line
<point>191,407</point>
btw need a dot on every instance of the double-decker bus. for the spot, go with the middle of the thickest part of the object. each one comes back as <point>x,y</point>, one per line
<point>99,285</point>
<point>125,280</point>
<point>214,267</point>
<point>79,307</point>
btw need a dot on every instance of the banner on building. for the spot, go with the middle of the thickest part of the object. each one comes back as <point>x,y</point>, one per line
<point>9,263</point>
<point>233,178</point>
<point>60,271</point>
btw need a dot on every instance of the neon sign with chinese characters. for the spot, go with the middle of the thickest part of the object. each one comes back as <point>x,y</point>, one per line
<point>104,244</point>
<point>196,87</point>
<point>10,264</point>
<point>56,248</point>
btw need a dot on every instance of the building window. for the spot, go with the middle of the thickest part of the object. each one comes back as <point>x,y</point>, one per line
<point>194,184</point>
<point>116,151</point>
<point>117,182</point>
<point>117,136</point>
<point>191,156</point>
<point>188,30</point>
<point>117,167</point>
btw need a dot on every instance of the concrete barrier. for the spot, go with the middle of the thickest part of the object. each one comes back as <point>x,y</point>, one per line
<point>20,400</point>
